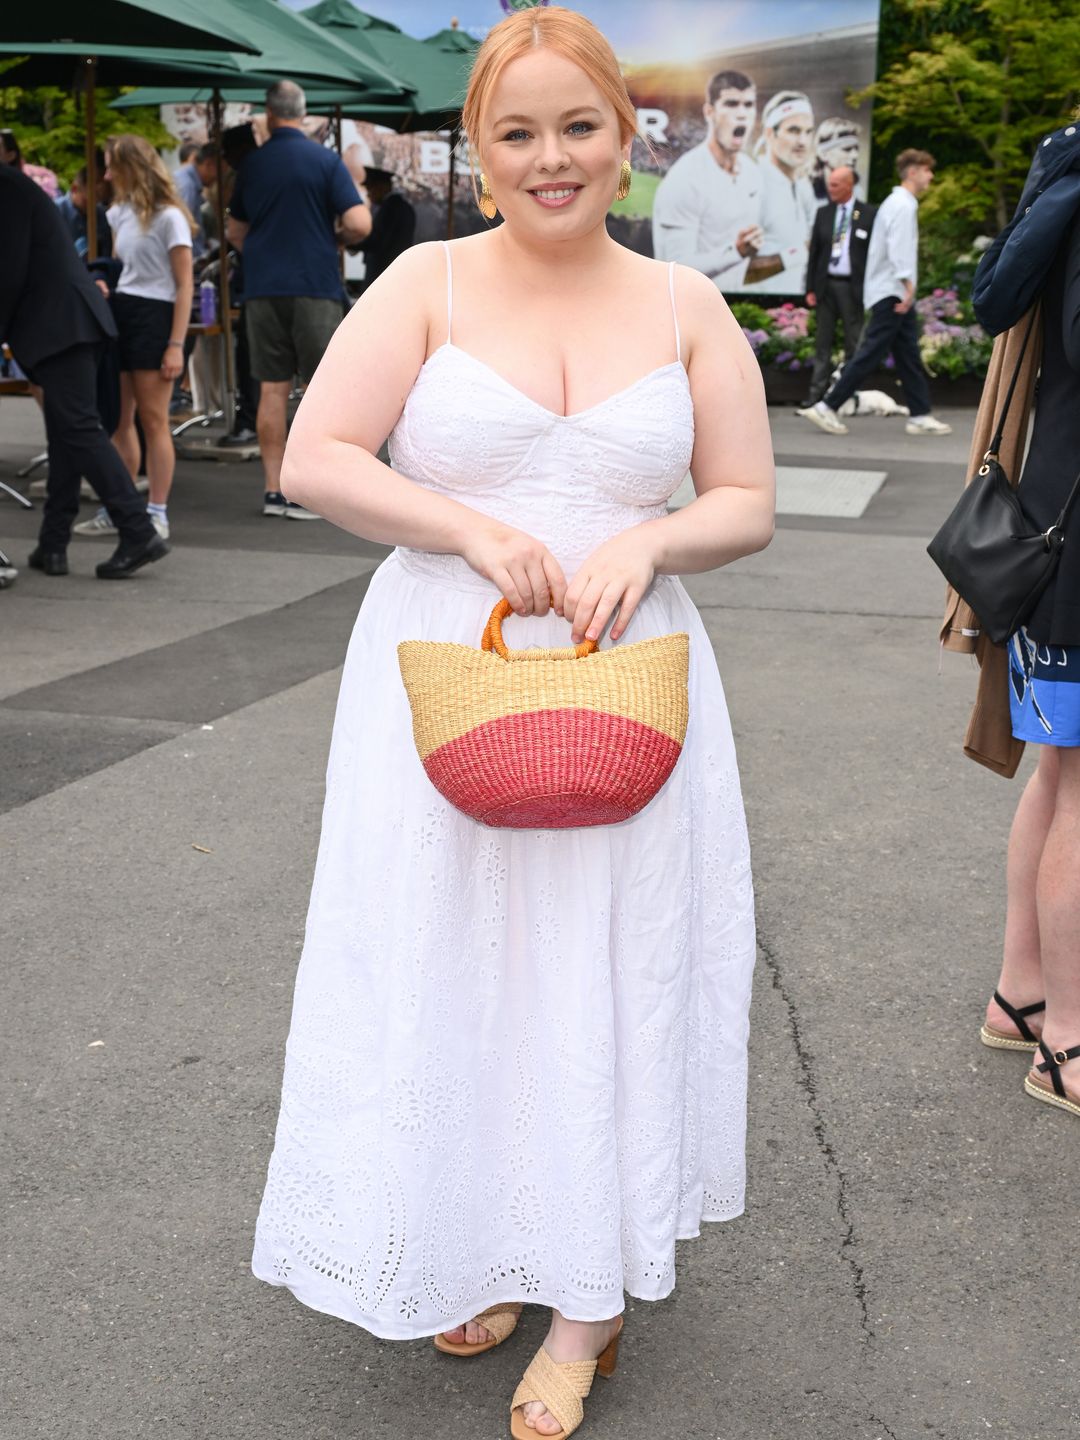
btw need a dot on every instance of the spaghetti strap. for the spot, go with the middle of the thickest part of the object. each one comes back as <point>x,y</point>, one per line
<point>674,312</point>
<point>449,290</point>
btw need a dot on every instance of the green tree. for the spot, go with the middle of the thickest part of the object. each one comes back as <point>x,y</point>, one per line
<point>977,82</point>
<point>49,124</point>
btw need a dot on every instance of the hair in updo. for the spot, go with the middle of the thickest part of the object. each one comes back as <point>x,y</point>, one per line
<point>553,28</point>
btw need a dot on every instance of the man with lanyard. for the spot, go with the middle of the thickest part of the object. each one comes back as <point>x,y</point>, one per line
<point>788,205</point>
<point>834,273</point>
<point>889,292</point>
<point>707,208</point>
<point>291,202</point>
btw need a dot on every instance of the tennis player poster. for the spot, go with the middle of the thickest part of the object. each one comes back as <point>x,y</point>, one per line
<point>743,111</point>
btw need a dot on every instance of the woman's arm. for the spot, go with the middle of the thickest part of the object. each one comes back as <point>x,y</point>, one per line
<point>732,466</point>
<point>172,362</point>
<point>331,460</point>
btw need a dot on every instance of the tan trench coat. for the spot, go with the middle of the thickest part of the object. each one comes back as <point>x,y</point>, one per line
<point>989,738</point>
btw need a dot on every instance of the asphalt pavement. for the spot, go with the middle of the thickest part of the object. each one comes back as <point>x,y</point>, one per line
<point>907,1264</point>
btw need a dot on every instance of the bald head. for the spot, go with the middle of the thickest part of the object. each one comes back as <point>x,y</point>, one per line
<point>840,184</point>
<point>285,103</point>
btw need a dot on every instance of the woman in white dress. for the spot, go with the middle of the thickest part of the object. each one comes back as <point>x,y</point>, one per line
<point>516,1071</point>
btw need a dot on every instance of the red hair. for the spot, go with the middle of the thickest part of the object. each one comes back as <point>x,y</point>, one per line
<point>554,28</point>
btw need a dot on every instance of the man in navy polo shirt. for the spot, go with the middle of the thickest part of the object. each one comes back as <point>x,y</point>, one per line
<point>292,201</point>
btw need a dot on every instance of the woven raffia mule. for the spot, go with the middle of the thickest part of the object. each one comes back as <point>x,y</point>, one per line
<point>560,1388</point>
<point>1054,1093</point>
<point>1001,1039</point>
<point>547,739</point>
<point>500,1320</point>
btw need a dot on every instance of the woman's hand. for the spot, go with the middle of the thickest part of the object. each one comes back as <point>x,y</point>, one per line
<point>614,576</point>
<point>524,570</point>
<point>172,362</point>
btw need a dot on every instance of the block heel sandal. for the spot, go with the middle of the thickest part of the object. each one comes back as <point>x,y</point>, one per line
<point>1054,1093</point>
<point>999,1040</point>
<point>500,1320</point>
<point>560,1388</point>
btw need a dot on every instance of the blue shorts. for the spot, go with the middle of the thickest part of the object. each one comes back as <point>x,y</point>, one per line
<point>1044,691</point>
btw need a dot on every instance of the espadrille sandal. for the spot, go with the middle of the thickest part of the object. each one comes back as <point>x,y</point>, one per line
<point>499,1320</point>
<point>1054,1093</point>
<point>1000,1039</point>
<point>560,1388</point>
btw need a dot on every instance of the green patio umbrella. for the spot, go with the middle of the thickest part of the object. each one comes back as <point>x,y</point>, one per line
<point>437,78</point>
<point>177,24</point>
<point>453,40</point>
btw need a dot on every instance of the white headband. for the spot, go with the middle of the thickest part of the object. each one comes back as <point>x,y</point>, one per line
<point>778,111</point>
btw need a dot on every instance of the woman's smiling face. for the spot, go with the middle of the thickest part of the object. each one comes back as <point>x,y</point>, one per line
<point>551,147</point>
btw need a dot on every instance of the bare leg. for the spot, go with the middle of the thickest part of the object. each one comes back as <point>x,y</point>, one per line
<point>152,396</point>
<point>270,423</point>
<point>1058,899</point>
<point>1021,980</point>
<point>126,438</point>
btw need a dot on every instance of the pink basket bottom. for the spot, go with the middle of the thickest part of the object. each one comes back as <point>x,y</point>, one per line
<point>553,769</point>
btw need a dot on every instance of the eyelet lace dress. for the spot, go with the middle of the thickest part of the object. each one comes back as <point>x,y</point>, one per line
<point>517,1062</point>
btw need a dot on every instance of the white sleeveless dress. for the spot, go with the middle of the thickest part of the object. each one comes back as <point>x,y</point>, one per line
<point>517,1062</point>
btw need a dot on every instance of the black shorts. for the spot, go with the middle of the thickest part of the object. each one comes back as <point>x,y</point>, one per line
<point>144,326</point>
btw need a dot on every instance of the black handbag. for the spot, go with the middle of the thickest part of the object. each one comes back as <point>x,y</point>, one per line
<point>989,550</point>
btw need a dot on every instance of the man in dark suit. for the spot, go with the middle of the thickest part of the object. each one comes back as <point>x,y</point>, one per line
<point>393,224</point>
<point>55,319</point>
<point>834,273</point>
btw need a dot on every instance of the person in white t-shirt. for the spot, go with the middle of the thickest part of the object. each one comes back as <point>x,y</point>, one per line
<point>151,229</point>
<point>788,203</point>
<point>707,208</point>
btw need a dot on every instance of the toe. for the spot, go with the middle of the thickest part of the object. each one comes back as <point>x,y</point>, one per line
<point>538,1419</point>
<point>455,1336</point>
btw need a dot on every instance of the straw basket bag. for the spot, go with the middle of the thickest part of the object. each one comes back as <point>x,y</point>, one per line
<point>547,739</point>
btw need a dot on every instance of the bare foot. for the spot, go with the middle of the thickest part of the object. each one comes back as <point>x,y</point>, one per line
<point>1069,1072</point>
<point>998,1020</point>
<point>471,1333</point>
<point>568,1340</point>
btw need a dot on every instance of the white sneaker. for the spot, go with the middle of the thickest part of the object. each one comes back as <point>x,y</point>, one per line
<point>293,511</point>
<point>824,418</point>
<point>927,425</point>
<point>100,526</point>
<point>87,491</point>
<point>161,526</point>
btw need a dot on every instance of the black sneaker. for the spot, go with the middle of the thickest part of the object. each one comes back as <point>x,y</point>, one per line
<point>274,503</point>
<point>243,436</point>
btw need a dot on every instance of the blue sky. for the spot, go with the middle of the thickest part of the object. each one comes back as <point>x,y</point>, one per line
<point>648,29</point>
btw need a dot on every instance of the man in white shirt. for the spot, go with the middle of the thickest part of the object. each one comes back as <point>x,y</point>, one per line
<point>707,208</point>
<point>889,295</point>
<point>788,203</point>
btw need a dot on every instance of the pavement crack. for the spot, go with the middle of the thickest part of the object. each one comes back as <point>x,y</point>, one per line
<point>877,1420</point>
<point>848,1249</point>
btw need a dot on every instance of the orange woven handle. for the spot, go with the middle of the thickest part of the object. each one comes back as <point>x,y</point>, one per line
<point>492,638</point>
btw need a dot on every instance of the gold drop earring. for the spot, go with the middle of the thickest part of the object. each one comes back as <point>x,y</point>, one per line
<point>487,201</point>
<point>625,176</point>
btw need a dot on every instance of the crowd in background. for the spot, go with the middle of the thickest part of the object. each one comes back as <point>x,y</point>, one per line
<point>292,208</point>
